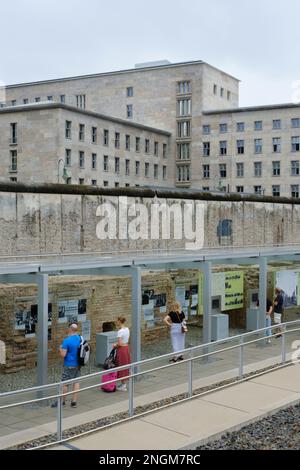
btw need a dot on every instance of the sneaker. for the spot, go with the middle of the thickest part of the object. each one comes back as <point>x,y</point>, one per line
<point>73,404</point>
<point>268,341</point>
<point>174,359</point>
<point>122,388</point>
<point>180,358</point>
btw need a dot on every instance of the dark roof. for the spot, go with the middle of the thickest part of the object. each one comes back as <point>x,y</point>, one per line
<point>251,108</point>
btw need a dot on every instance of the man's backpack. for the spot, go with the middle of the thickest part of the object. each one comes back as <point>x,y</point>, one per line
<point>84,352</point>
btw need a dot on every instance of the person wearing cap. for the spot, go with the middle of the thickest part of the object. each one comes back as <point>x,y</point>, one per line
<point>71,369</point>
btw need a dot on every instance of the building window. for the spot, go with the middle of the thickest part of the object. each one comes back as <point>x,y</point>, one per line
<point>223,128</point>
<point>295,168</point>
<point>105,163</point>
<point>295,190</point>
<point>257,169</point>
<point>258,145</point>
<point>94,182</point>
<point>105,183</point>
<point>81,180</point>
<point>129,111</point>
<point>117,165</point>
<point>206,149</point>
<point>80,101</point>
<point>184,87</point>
<point>276,123</point>
<point>240,126</point>
<point>147,146</point>
<point>206,172</point>
<point>63,98</point>
<point>94,135</point>
<point>13,160</point>
<point>222,170</point>
<point>221,92</point>
<point>240,170</point>
<point>183,151</point>
<point>224,232</point>
<point>117,140</point>
<point>127,185</point>
<point>137,144</point>
<point>81,132</point>
<point>184,107</point>
<point>276,168</point>
<point>117,184</point>
<point>276,190</point>
<point>156,149</point>
<point>147,170</point>
<point>228,98</point>
<point>105,137</point>
<point>206,129</point>
<point>69,181</point>
<point>137,168</point>
<point>295,122</point>
<point>81,159</point>
<point>13,102</point>
<point>127,167</point>
<point>258,125</point>
<point>295,144</point>
<point>13,179</point>
<point>164,150</point>
<point>240,144</point>
<point>13,133</point>
<point>277,144</point>
<point>37,99</point>
<point>215,89</point>
<point>68,129</point>
<point>25,101</point>
<point>50,98</point>
<point>127,142</point>
<point>68,157</point>
<point>183,173</point>
<point>240,189</point>
<point>129,92</point>
<point>184,129</point>
<point>257,189</point>
<point>155,171</point>
<point>223,147</point>
<point>94,161</point>
<point>205,188</point>
<point>164,172</point>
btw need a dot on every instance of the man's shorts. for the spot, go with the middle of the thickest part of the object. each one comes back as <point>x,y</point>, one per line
<point>70,373</point>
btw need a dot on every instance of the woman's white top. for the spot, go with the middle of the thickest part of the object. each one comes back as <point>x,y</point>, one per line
<point>124,334</point>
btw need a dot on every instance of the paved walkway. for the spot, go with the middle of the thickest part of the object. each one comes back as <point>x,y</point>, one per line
<point>183,426</point>
<point>21,424</point>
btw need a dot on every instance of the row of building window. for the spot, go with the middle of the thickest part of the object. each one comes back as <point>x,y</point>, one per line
<point>258,146</point>
<point>258,169</point>
<point>117,139</point>
<point>258,126</point>
<point>223,93</point>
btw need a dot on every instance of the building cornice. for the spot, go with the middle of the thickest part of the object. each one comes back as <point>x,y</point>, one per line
<point>65,107</point>
<point>252,108</point>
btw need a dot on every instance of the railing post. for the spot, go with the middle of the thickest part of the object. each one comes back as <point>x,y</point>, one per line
<point>131,392</point>
<point>190,375</point>
<point>283,344</point>
<point>241,361</point>
<point>59,413</point>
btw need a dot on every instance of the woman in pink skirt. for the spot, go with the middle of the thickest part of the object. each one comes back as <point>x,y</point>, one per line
<point>123,355</point>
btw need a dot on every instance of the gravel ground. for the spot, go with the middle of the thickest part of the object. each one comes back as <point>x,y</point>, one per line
<point>278,432</point>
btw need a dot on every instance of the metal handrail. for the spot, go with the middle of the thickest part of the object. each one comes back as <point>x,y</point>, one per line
<point>164,356</point>
<point>134,374</point>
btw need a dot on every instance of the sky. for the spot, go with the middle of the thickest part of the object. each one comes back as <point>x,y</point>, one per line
<point>256,41</point>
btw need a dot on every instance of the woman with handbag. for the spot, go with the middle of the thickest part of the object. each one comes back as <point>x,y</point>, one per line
<point>175,320</point>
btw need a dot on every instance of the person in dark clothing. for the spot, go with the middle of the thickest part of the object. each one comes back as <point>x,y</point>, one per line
<point>278,309</point>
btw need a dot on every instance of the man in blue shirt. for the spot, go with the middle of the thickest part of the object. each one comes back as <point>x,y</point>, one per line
<point>71,370</point>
